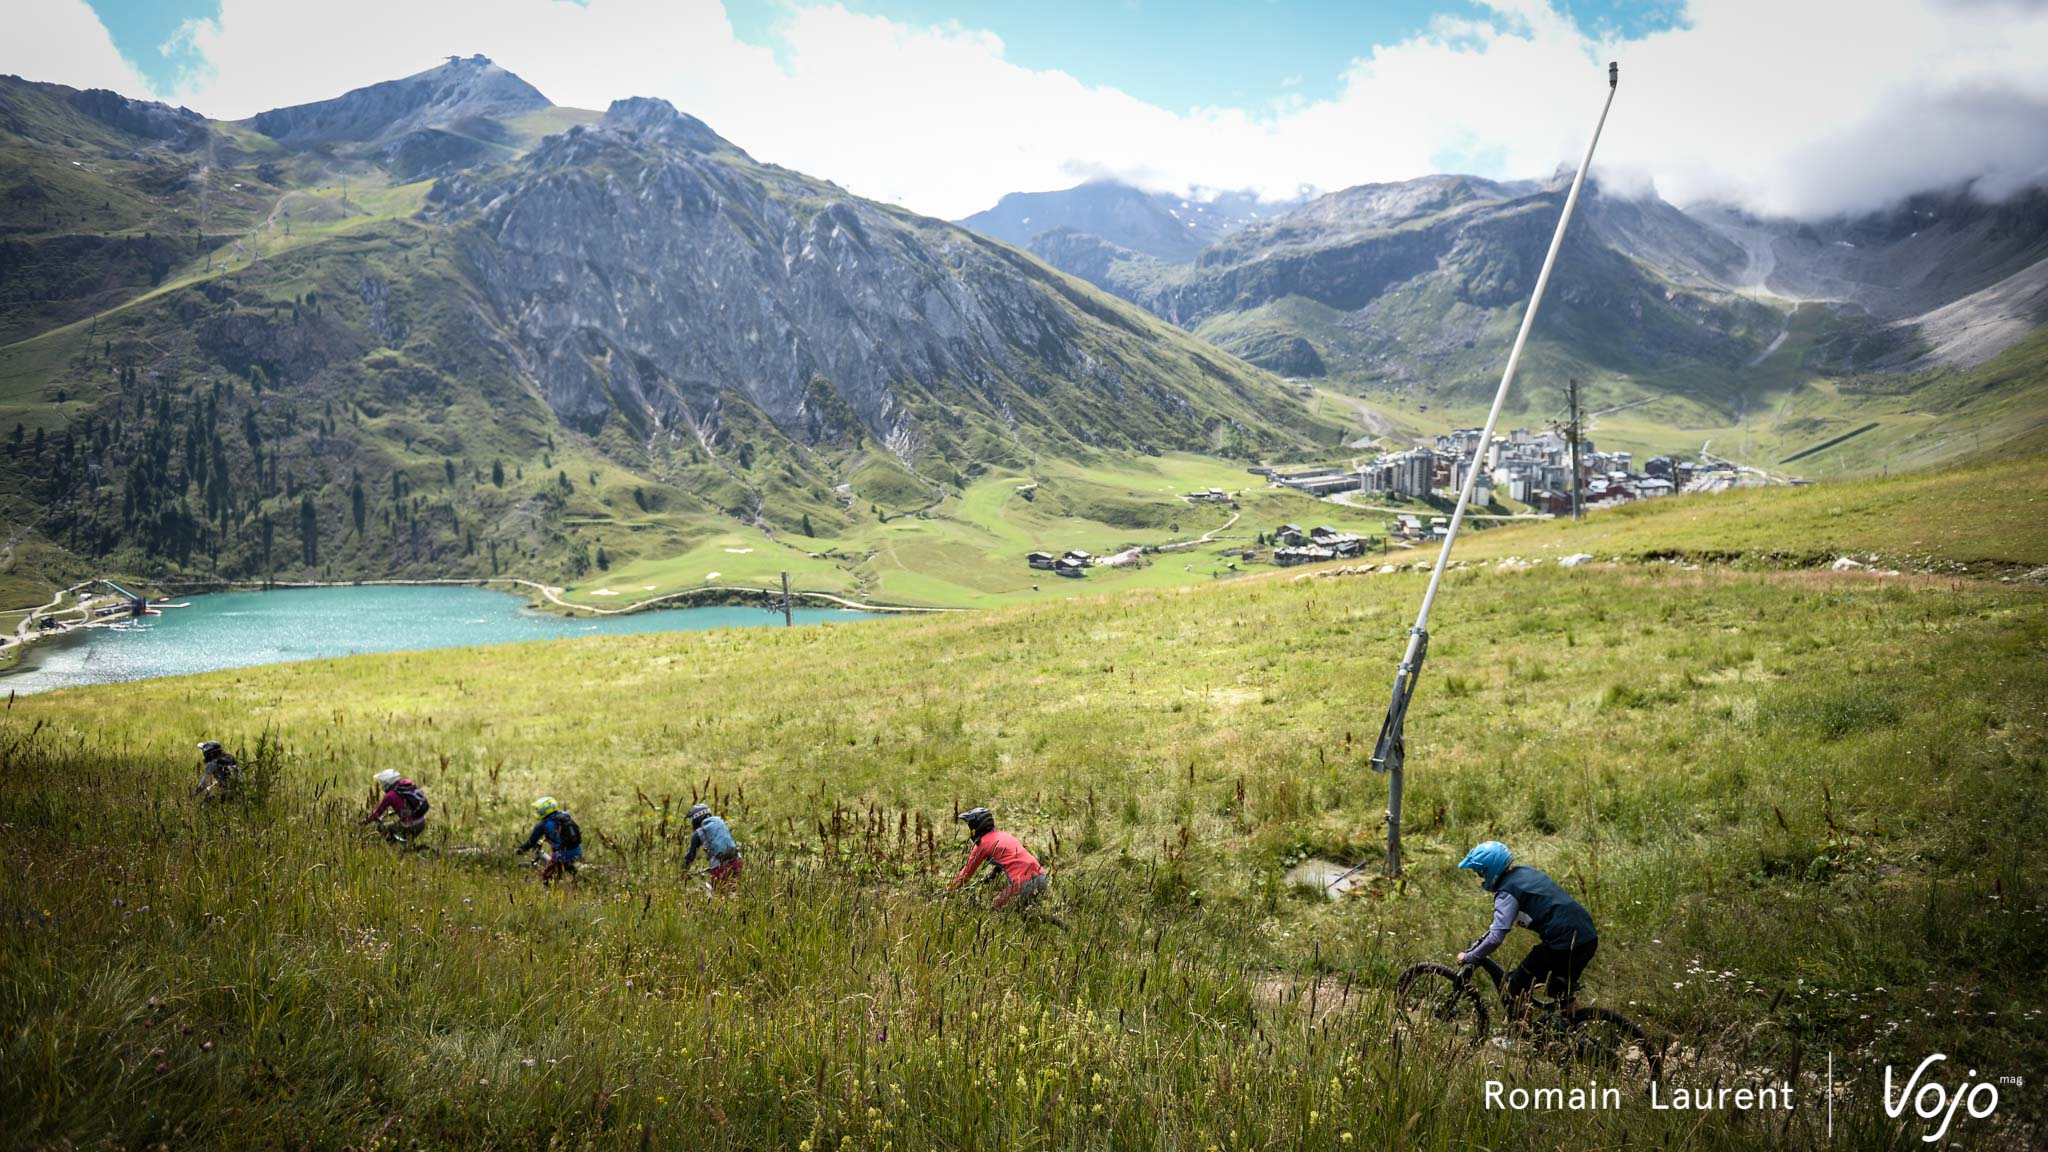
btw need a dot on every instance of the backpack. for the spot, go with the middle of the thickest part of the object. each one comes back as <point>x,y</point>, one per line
<point>570,835</point>
<point>415,798</point>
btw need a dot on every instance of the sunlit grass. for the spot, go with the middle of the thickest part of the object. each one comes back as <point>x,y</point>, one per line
<point>1796,803</point>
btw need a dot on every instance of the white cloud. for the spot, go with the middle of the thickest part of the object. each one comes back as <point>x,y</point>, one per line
<point>63,41</point>
<point>1807,108</point>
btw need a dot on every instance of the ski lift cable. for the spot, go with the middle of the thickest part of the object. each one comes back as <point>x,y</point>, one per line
<point>1390,749</point>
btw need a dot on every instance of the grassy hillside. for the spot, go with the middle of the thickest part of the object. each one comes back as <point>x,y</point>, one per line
<point>1990,516</point>
<point>1799,804</point>
<point>1787,413</point>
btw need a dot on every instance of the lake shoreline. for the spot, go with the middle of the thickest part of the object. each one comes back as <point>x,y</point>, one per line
<point>543,596</point>
<point>243,626</point>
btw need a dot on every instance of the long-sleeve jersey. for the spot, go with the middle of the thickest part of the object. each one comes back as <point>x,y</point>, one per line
<point>1505,909</point>
<point>1008,853</point>
<point>394,801</point>
<point>714,837</point>
<point>548,828</point>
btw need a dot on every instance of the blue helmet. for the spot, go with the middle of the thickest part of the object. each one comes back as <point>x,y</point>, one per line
<point>1489,860</point>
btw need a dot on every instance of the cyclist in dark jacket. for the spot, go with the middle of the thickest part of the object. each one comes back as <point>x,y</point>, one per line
<point>218,771</point>
<point>715,839</point>
<point>565,839</point>
<point>1522,895</point>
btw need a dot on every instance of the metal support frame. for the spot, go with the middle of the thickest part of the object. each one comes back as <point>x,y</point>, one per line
<point>1391,750</point>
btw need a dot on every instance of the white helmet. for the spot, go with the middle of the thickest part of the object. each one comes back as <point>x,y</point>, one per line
<point>386,778</point>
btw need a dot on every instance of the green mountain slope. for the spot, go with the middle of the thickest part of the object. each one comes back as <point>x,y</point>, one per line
<point>589,341</point>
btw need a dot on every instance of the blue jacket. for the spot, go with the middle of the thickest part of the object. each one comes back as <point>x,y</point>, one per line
<point>549,829</point>
<point>714,837</point>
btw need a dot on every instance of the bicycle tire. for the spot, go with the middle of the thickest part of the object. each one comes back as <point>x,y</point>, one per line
<point>1438,1000</point>
<point>1604,1038</point>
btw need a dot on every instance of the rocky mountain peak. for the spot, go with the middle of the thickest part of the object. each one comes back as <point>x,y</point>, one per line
<point>658,120</point>
<point>463,90</point>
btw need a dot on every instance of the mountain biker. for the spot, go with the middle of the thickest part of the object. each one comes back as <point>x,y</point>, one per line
<point>716,840</point>
<point>403,797</point>
<point>218,771</point>
<point>1027,877</point>
<point>1522,895</point>
<point>565,839</point>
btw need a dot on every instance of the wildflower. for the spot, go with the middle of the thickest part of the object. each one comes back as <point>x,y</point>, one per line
<point>1097,1110</point>
<point>804,1146</point>
<point>1313,1116</point>
<point>1344,1137</point>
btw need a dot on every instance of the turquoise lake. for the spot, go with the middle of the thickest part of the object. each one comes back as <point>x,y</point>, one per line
<point>244,629</point>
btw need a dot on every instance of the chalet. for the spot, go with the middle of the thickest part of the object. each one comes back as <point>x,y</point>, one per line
<point>1078,557</point>
<point>1071,568</point>
<point>1211,496</point>
<point>1289,535</point>
<point>1306,554</point>
<point>1340,544</point>
<point>1039,560</point>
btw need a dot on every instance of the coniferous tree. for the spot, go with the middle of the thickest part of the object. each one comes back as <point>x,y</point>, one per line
<point>309,530</point>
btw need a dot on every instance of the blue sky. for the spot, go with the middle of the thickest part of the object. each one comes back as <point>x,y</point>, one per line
<point>1181,54</point>
<point>1178,54</point>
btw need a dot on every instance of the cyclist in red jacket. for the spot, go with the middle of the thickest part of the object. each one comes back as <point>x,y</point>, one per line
<point>1027,877</point>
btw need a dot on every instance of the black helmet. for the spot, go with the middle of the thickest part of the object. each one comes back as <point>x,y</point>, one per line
<point>210,748</point>
<point>698,813</point>
<point>980,821</point>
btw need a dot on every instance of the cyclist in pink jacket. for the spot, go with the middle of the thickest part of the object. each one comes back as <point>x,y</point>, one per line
<point>1027,877</point>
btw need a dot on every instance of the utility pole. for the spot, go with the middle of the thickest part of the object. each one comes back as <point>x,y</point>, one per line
<point>788,617</point>
<point>1571,393</point>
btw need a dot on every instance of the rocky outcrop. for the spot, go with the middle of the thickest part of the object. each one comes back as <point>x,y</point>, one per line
<point>144,118</point>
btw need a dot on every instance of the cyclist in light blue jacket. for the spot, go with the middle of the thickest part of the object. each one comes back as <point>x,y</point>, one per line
<point>715,839</point>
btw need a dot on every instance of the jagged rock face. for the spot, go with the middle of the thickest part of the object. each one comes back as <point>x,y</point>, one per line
<point>646,266</point>
<point>1155,224</point>
<point>1415,271</point>
<point>459,91</point>
<point>143,118</point>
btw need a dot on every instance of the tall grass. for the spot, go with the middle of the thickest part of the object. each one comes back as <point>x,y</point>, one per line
<point>1798,806</point>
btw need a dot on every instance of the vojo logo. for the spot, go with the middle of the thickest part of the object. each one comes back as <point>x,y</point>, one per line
<point>1933,1101</point>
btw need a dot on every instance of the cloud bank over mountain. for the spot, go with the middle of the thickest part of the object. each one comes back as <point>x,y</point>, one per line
<point>1806,109</point>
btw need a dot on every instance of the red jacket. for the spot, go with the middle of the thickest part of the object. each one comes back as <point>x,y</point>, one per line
<point>395,802</point>
<point>1009,854</point>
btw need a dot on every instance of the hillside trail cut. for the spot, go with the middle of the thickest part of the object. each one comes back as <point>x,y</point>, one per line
<point>1391,748</point>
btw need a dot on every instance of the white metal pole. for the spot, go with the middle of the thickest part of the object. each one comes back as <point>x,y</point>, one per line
<point>1417,635</point>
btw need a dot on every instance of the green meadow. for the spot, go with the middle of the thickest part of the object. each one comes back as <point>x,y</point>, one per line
<point>1800,804</point>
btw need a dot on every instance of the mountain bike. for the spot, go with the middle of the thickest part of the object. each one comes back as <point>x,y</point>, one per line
<point>1441,1005</point>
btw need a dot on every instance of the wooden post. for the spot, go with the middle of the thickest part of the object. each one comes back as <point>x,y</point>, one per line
<point>788,617</point>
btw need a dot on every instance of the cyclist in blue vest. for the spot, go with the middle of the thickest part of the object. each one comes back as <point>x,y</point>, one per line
<point>1522,895</point>
<point>715,839</point>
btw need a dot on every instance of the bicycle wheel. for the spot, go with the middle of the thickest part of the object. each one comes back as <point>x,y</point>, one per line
<point>1605,1039</point>
<point>1436,1005</point>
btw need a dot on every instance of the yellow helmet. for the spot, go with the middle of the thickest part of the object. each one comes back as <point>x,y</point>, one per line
<point>545,805</point>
